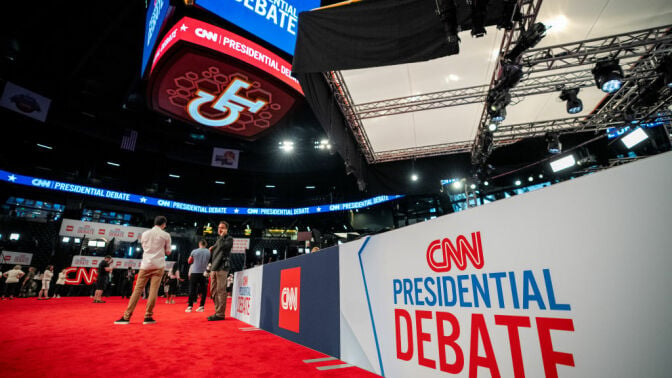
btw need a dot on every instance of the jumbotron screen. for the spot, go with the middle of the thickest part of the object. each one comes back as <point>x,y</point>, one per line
<point>207,75</point>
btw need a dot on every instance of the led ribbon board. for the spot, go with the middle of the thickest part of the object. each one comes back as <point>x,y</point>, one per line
<point>206,75</point>
<point>175,205</point>
<point>156,15</point>
<point>274,21</point>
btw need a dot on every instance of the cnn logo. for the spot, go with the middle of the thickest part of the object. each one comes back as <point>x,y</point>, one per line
<point>289,298</point>
<point>441,252</point>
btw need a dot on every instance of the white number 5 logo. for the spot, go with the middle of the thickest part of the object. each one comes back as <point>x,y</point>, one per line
<point>228,101</point>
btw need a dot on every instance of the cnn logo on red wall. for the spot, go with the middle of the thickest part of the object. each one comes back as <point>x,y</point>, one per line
<point>290,299</point>
<point>441,252</point>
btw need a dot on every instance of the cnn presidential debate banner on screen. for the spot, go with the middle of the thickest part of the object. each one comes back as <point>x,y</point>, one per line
<point>569,281</point>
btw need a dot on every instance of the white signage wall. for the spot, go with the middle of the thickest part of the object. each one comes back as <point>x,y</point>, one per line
<point>16,258</point>
<point>569,281</point>
<point>117,263</point>
<point>94,230</point>
<point>246,296</point>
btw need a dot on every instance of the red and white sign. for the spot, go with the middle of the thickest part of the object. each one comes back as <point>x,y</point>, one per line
<point>16,258</point>
<point>223,41</point>
<point>240,245</point>
<point>117,263</point>
<point>76,276</point>
<point>92,230</point>
<point>290,299</point>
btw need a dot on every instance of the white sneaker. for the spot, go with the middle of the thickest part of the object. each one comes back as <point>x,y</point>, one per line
<point>200,309</point>
<point>189,309</point>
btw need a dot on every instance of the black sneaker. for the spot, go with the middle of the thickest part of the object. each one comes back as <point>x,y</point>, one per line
<point>122,321</point>
<point>214,318</point>
<point>148,321</point>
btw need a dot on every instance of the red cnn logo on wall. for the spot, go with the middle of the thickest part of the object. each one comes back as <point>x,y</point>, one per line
<point>441,252</point>
<point>290,295</point>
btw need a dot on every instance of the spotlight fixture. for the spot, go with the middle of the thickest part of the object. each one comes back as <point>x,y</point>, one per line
<point>518,182</point>
<point>608,75</point>
<point>554,145</point>
<point>497,101</point>
<point>498,116</point>
<point>478,13</point>
<point>574,104</point>
<point>527,40</point>
<point>286,145</point>
<point>492,126</point>
<point>414,177</point>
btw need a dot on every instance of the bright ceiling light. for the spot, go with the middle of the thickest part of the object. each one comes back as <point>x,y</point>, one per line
<point>113,164</point>
<point>270,186</point>
<point>45,146</point>
<point>485,183</point>
<point>220,182</point>
<point>634,138</point>
<point>472,186</point>
<point>173,175</point>
<point>310,187</point>
<point>557,23</point>
<point>608,75</point>
<point>518,182</point>
<point>563,163</point>
<point>287,146</point>
<point>492,126</point>
<point>530,179</point>
<point>457,185</point>
<point>414,177</point>
<point>14,236</point>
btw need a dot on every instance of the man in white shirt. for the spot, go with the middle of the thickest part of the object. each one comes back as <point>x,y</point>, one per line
<point>156,246</point>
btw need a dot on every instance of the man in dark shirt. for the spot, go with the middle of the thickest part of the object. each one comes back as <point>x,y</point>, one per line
<point>220,270</point>
<point>104,270</point>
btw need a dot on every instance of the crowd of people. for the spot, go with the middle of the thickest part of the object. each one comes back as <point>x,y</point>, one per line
<point>208,272</point>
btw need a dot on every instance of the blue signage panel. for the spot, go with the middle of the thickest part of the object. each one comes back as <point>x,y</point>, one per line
<point>156,15</point>
<point>175,205</point>
<point>315,300</point>
<point>275,21</point>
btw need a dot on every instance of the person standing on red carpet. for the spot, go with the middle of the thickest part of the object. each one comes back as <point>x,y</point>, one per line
<point>46,282</point>
<point>156,246</point>
<point>220,270</point>
<point>104,269</point>
<point>12,282</point>
<point>197,280</point>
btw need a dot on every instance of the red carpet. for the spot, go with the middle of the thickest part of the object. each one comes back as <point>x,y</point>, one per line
<point>69,337</point>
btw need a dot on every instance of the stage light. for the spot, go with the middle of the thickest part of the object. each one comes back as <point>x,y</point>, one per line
<point>527,40</point>
<point>270,186</point>
<point>541,176</point>
<point>287,146</point>
<point>173,175</point>
<point>478,13</point>
<point>518,182</point>
<point>574,104</point>
<point>457,185</point>
<point>492,126</point>
<point>472,186</point>
<point>310,187</point>
<point>485,183</point>
<point>530,179</point>
<point>508,14</point>
<point>275,251</point>
<point>113,164</point>
<point>258,253</point>
<point>563,163</point>
<point>498,115</point>
<point>78,240</point>
<point>220,182</point>
<point>608,75</point>
<point>14,236</point>
<point>554,145</point>
<point>66,239</point>
<point>173,247</point>
<point>634,138</point>
<point>45,146</point>
<point>557,24</point>
<point>414,177</point>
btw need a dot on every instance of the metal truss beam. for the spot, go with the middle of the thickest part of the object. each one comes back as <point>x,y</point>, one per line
<point>625,45</point>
